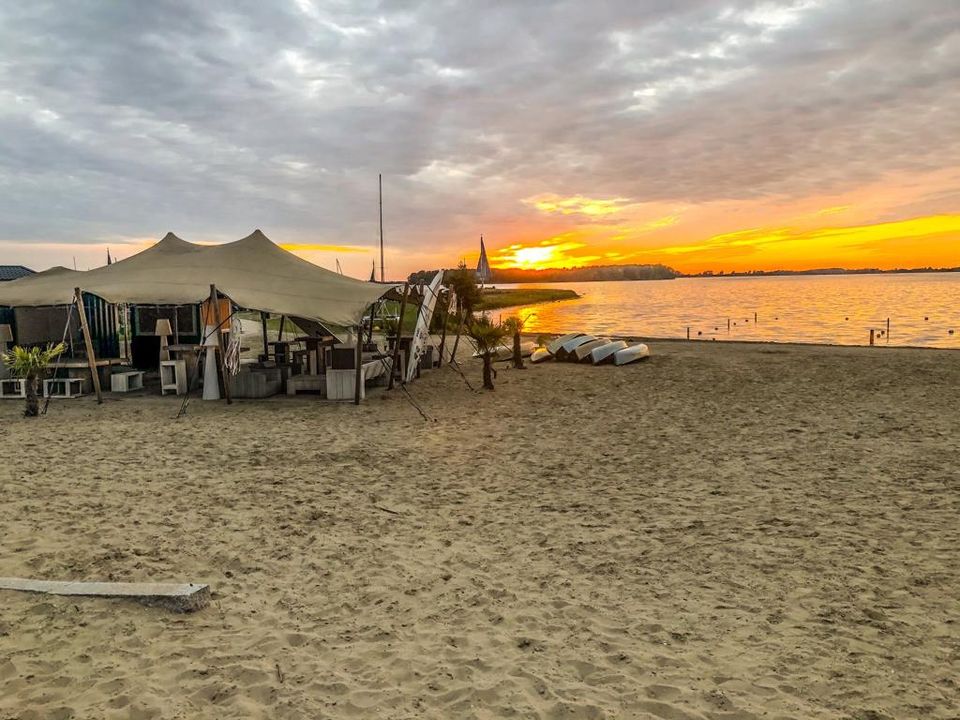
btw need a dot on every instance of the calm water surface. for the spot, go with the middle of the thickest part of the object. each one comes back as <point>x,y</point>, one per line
<point>840,309</point>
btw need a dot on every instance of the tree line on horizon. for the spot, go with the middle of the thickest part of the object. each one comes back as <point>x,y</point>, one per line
<point>655,272</point>
<point>578,274</point>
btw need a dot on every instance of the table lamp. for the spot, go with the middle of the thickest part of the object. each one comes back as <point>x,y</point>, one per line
<point>164,330</point>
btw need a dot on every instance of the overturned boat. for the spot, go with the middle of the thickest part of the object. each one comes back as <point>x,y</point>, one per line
<point>554,345</point>
<point>570,345</point>
<point>631,354</point>
<point>604,353</point>
<point>540,355</point>
<point>582,352</point>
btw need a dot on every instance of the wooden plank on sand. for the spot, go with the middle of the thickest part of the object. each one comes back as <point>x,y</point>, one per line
<point>178,597</point>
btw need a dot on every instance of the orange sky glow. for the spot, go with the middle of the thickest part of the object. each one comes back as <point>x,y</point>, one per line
<point>878,226</point>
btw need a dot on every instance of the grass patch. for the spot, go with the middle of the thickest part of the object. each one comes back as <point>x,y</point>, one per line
<point>494,298</point>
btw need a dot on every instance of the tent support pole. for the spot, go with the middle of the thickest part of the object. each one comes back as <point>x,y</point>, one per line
<point>443,331</point>
<point>357,387</point>
<point>126,333</point>
<point>215,311</point>
<point>456,340</point>
<point>283,319</point>
<point>88,342</point>
<point>263,324</point>
<point>373,310</point>
<point>396,345</point>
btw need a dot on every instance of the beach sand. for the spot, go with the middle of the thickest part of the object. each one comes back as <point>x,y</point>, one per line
<point>725,531</point>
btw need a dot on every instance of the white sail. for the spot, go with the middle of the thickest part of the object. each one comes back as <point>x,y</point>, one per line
<point>421,335</point>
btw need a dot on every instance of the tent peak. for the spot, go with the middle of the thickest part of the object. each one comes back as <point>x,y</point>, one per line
<point>172,242</point>
<point>256,235</point>
<point>256,239</point>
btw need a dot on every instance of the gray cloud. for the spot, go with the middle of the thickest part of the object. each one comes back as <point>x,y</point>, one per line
<point>213,118</point>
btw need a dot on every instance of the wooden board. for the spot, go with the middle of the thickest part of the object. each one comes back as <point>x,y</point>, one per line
<point>178,597</point>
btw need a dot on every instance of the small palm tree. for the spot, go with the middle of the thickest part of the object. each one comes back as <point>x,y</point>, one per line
<point>514,326</point>
<point>463,283</point>
<point>30,364</point>
<point>487,335</point>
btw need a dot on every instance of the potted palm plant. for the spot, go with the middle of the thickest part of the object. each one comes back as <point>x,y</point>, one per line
<point>30,365</point>
<point>487,336</point>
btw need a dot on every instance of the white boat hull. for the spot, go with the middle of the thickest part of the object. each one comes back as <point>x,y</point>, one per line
<point>631,354</point>
<point>540,355</point>
<point>554,345</point>
<point>605,353</point>
<point>571,345</point>
<point>582,353</point>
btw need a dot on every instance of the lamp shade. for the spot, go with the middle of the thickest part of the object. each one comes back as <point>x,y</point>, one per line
<point>163,327</point>
<point>6,334</point>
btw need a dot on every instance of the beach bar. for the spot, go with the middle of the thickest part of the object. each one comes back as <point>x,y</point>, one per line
<point>164,294</point>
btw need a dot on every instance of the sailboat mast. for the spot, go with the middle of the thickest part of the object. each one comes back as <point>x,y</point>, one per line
<point>380,177</point>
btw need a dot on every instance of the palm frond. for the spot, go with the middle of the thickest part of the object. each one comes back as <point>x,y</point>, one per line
<point>24,362</point>
<point>486,334</point>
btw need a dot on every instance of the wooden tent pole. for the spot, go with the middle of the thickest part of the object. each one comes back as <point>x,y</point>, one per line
<point>88,342</point>
<point>359,369</point>
<point>443,331</point>
<point>215,309</point>
<point>396,346</point>
<point>456,340</point>
<point>263,324</point>
<point>283,319</point>
<point>127,315</point>
<point>373,310</point>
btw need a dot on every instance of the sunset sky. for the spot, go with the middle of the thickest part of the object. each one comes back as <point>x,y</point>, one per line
<point>702,135</point>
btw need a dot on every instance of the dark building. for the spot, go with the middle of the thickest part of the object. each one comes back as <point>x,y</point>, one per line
<point>13,272</point>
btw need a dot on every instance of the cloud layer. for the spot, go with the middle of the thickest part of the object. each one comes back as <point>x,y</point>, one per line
<point>124,120</point>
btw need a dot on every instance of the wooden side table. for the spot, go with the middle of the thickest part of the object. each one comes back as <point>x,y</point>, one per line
<point>173,377</point>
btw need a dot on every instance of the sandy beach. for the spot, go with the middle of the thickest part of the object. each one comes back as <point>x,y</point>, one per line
<point>727,531</point>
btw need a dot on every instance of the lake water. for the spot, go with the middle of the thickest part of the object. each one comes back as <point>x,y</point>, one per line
<point>839,309</point>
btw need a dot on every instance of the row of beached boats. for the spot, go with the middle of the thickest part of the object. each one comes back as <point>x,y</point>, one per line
<point>584,348</point>
<point>578,348</point>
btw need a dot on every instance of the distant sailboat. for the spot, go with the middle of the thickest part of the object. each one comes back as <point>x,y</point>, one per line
<point>484,274</point>
<point>373,272</point>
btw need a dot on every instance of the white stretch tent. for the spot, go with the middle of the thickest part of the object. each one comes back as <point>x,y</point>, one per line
<point>253,272</point>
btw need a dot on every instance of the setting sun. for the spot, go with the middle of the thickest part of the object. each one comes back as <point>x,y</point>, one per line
<point>841,230</point>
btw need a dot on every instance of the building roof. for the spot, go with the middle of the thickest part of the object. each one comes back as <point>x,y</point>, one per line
<point>14,272</point>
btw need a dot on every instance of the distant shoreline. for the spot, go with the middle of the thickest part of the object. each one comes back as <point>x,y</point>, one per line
<point>747,274</point>
<point>493,298</point>
<point>823,271</point>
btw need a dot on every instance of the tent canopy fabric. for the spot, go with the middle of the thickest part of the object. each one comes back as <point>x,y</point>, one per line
<point>253,272</point>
